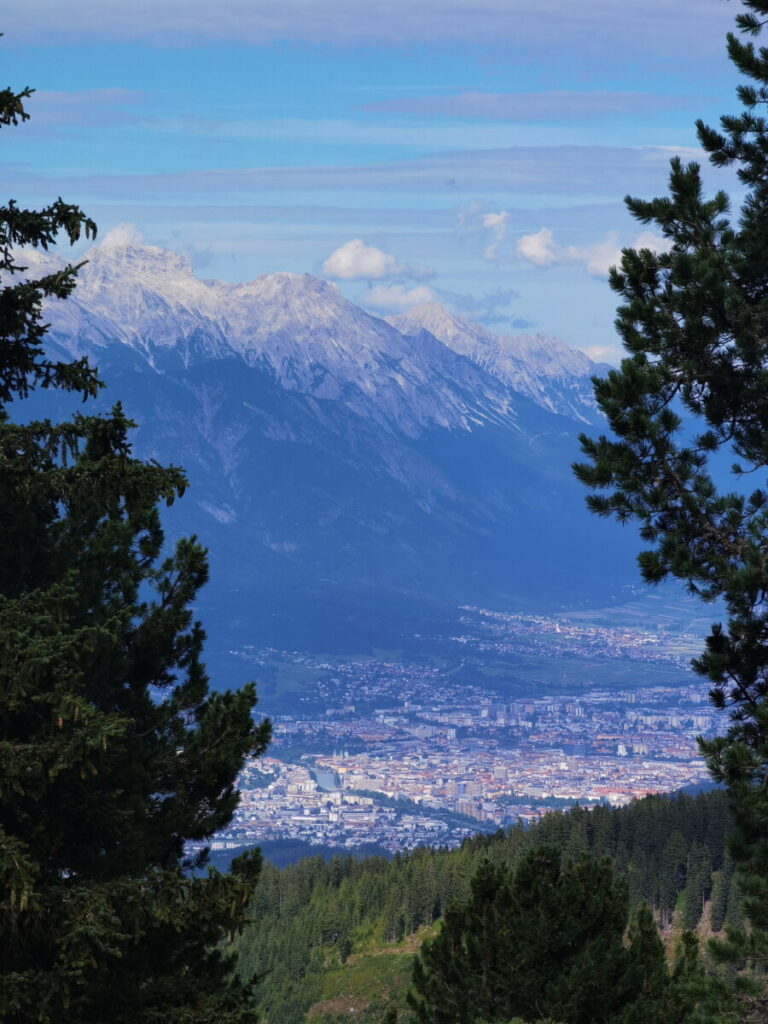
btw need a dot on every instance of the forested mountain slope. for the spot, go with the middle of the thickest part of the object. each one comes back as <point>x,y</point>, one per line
<point>339,936</point>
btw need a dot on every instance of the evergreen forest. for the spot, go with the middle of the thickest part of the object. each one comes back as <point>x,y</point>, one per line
<point>331,936</point>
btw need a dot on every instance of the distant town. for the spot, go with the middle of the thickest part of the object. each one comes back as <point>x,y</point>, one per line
<point>399,754</point>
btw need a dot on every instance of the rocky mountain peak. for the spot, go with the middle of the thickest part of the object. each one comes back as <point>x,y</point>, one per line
<point>542,368</point>
<point>427,367</point>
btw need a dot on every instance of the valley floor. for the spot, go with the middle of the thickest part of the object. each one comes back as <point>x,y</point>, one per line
<point>402,753</point>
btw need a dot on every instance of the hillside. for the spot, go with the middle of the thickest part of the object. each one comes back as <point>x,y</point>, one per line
<point>336,939</point>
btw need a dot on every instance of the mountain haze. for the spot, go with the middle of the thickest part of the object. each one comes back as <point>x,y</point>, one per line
<point>355,479</point>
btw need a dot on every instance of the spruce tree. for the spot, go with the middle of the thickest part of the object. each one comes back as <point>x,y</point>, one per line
<point>545,941</point>
<point>113,752</point>
<point>690,399</point>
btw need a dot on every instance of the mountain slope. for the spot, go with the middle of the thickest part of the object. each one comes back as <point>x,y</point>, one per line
<point>543,369</point>
<point>334,939</point>
<point>354,483</point>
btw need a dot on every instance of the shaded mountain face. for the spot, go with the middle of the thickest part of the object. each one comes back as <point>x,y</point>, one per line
<point>355,480</point>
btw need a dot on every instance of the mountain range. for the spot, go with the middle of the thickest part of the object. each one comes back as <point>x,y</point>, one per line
<point>356,479</point>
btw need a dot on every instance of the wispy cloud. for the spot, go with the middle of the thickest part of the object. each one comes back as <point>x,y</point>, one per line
<point>487,308</point>
<point>496,225</point>
<point>563,171</point>
<point>514,25</point>
<point>75,100</point>
<point>85,107</point>
<point>559,105</point>
<point>597,257</point>
<point>427,134</point>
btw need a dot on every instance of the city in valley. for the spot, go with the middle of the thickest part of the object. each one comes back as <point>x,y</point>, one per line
<point>397,752</point>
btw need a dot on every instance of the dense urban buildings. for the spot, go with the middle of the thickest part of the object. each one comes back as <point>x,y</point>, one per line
<point>400,753</point>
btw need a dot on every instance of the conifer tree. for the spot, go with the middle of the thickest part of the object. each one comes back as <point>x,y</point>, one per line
<point>113,752</point>
<point>545,941</point>
<point>690,399</point>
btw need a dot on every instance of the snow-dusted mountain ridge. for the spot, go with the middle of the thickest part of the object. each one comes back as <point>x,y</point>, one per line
<point>404,372</point>
<point>355,480</point>
<point>544,369</point>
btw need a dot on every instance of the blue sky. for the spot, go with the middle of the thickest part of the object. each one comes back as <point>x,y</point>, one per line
<point>472,151</point>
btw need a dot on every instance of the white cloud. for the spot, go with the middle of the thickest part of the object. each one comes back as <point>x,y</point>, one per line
<point>356,261</point>
<point>604,354</point>
<point>394,298</point>
<point>647,240</point>
<point>120,236</point>
<point>538,248</point>
<point>484,227</point>
<point>496,224</point>
<point>597,258</point>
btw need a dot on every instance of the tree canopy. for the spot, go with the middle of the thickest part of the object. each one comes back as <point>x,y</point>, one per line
<point>688,414</point>
<point>316,920</point>
<point>545,941</point>
<point>114,753</point>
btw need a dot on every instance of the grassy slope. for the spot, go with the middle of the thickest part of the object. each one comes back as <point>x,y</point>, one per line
<point>371,979</point>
